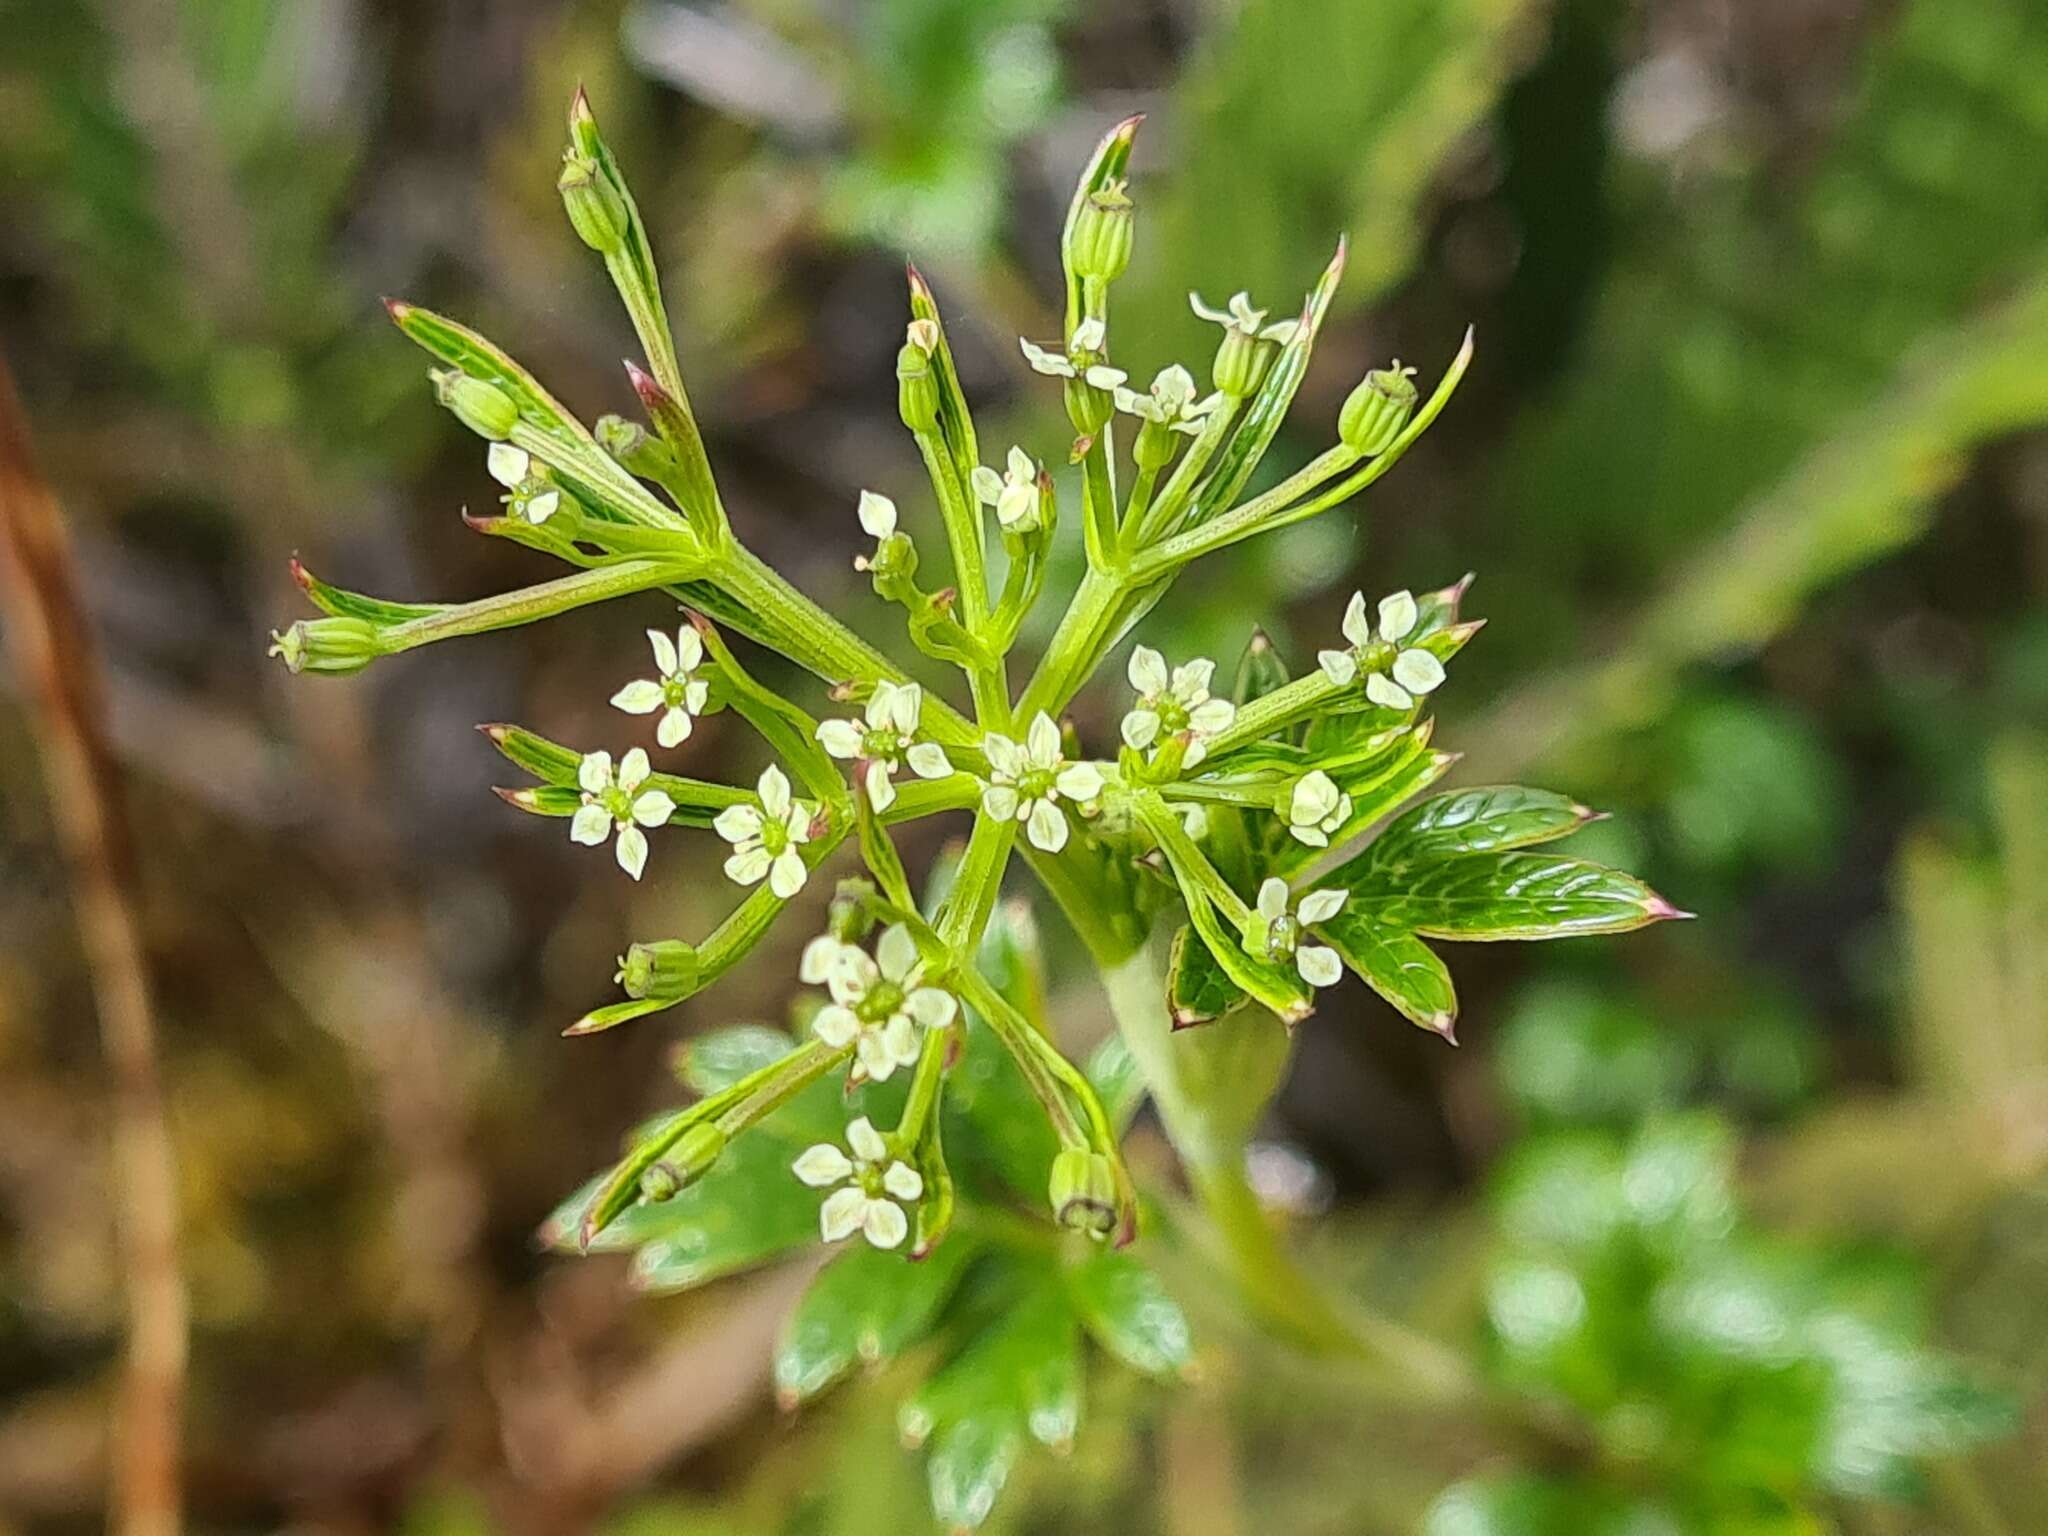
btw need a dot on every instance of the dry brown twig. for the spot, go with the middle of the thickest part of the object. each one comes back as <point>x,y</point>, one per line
<point>48,634</point>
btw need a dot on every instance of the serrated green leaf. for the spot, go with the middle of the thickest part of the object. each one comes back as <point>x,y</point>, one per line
<point>970,1462</point>
<point>1493,818</point>
<point>1397,965</point>
<point>1126,1309</point>
<point>1504,896</point>
<point>867,1306</point>
<point>1197,990</point>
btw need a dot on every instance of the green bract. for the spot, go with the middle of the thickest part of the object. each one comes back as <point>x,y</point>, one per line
<point>926,1111</point>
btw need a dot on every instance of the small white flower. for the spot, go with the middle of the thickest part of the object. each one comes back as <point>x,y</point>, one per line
<point>875,1183</point>
<point>1081,360</point>
<point>1317,808</point>
<point>885,739</point>
<point>1169,703</point>
<point>1026,782</point>
<point>766,839</point>
<point>877,521</point>
<point>1171,403</point>
<point>1241,317</point>
<point>1277,933</point>
<point>1409,673</point>
<point>528,495</point>
<point>879,1006</point>
<point>675,690</point>
<point>1014,494</point>
<point>617,801</point>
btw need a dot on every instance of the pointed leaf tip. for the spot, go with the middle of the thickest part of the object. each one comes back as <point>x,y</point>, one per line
<point>579,106</point>
<point>397,309</point>
<point>301,575</point>
<point>1664,911</point>
<point>1445,1025</point>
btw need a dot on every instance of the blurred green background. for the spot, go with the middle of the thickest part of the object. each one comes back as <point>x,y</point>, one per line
<point>1752,470</point>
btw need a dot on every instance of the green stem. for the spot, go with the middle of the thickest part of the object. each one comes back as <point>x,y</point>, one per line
<point>1284,1296</point>
<point>530,604</point>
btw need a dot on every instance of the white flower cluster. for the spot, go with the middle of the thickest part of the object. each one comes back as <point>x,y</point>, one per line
<point>767,838</point>
<point>675,690</point>
<point>1412,671</point>
<point>885,739</point>
<point>617,800</point>
<point>880,1005</point>
<point>1027,781</point>
<point>1279,931</point>
<point>874,1184</point>
<point>1172,702</point>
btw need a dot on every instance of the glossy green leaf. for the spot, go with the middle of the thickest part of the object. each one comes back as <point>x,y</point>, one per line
<point>1197,990</point>
<point>1505,896</point>
<point>1398,966</point>
<point>1494,818</point>
<point>866,1306</point>
<point>1126,1309</point>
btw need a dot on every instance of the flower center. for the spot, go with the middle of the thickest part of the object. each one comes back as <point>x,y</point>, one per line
<point>1173,715</point>
<point>882,743</point>
<point>869,1177</point>
<point>618,803</point>
<point>774,835</point>
<point>881,1003</point>
<point>1038,785</point>
<point>673,690</point>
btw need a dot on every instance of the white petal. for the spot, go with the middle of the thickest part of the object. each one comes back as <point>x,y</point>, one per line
<point>653,807</point>
<point>885,1224</point>
<point>591,826</point>
<point>1080,781</point>
<point>852,976</point>
<point>696,693</point>
<point>898,1039</point>
<point>737,823</point>
<point>1021,465</point>
<point>1140,729</point>
<point>1357,627</point>
<point>544,506</point>
<point>876,1064</point>
<point>664,652</point>
<point>1220,317</point>
<point>508,465</point>
<point>840,1216</point>
<point>1004,755</point>
<point>1017,507</point>
<point>1272,902</point>
<point>1195,751</point>
<point>1315,796</point>
<point>987,484</point>
<point>633,769</point>
<point>906,707</point>
<point>896,953</point>
<point>1397,615</point>
<point>927,760</point>
<point>841,738</point>
<point>632,851</point>
<point>1090,334</point>
<point>865,1140</point>
<point>594,773</point>
<point>1048,827</point>
<point>838,1027</point>
<point>1418,671</point>
<point>1338,666</point>
<point>673,729</point>
<point>999,801</point>
<point>786,875</point>
<point>638,698</point>
<point>880,787</point>
<point>1147,670</point>
<point>1045,362</point>
<point>877,515</point>
<point>689,649</point>
<point>1320,906</point>
<point>1212,715</point>
<point>903,1181</point>
<point>1313,836</point>
<point>822,1165</point>
<point>1387,693</point>
<point>747,866</point>
<point>774,791</point>
<point>931,1007</point>
<point>818,959</point>
<point>1318,965</point>
<point>1042,741</point>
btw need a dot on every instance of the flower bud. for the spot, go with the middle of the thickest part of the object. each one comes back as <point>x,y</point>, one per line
<point>594,205</point>
<point>1083,1192</point>
<point>1154,446</point>
<point>483,408</point>
<point>1377,410</point>
<point>1241,363</point>
<point>666,968</point>
<point>688,1161</point>
<point>917,392</point>
<point>633,448</point>
<point>332,645</point>
<point>1100,246</point>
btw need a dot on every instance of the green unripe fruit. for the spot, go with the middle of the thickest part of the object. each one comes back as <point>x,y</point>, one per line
<point>1103,232</point>
<point>917,392</point>
<point>1241,363</point>
<point>1377,410</point>
<point>666,968</point>
<point>483,408</point>
<point>596,210</point>
<point>1083,1192</point>
<point>688,1161</point>
<point>334,646</point>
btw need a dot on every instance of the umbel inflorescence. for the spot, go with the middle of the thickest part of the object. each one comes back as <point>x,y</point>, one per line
<point>1205,815</point>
